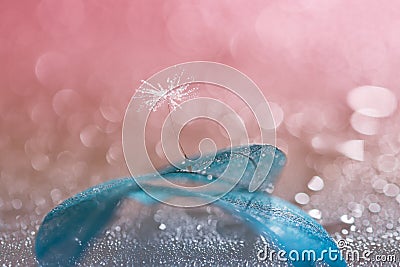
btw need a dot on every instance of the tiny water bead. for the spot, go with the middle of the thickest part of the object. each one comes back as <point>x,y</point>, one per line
<point>347,219</point>
<point>364,124</point>
<point>379,184</point>
<point>53,70</point>
<point>391,190</point>
<point>353,149</point>
<point>387,163</point>
<point>302,198</point>
<point>162,227</point>
<point>315,213</point>
<point>374,207</point>
<point>40,162</point>
<point>16,203</point>
<point>56,195</point>
<point>372,101</point>
<point>66,101</point>
<point>316,183</point>
<point>91,136</point>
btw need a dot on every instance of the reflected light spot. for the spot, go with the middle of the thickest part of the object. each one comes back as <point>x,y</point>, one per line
<point>391,190</point>
<point>347,219</point>
<point>364,124</point>
<point>387,163</point>
<point>65,102</point>
<point>353,149</point>
<point>316,183</point>
<point>372,101</point>
<point>316,214</point>
<point>302,198</point>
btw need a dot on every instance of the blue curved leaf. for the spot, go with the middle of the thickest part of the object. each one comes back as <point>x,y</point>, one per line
<point>66,230</point>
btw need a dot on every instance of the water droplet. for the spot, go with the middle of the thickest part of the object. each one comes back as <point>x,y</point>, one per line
<point>294,124</point>
<point>387,163</point>
<point>356,208</point>
<point>316,183</point>
<point>56,195</point>
<point>162,227</point>
<point>90,136</point>
<point>114,154</point>
<point>110,113</point>
<point>302,198</point>
<point>353,149</point>
<point>315,213</point>
<point>372,101</point>
<point>270,188</point>
<point>391,190</point>
<point>51,69</point>
<point>78,241</point>
<point>16,203</point>
<point>374,207</point>
<point>363,124</point>
<point>347,219</point>
<point>379,184</point>
<point>40,162</point>
<point>66,102</point>
<point>322,143</point>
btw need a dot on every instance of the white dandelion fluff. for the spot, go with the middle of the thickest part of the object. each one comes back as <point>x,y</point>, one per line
<point>155,96</point>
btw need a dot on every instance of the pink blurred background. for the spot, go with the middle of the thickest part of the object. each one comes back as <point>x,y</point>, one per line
<point>298,50</point>
<point>68,69</point>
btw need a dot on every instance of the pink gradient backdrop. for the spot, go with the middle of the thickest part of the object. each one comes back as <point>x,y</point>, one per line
<point>292,49</point>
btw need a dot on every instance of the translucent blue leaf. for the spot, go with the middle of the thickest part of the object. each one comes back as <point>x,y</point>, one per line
<point>66,230</point>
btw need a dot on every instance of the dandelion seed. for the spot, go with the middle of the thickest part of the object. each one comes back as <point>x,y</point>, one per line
<point>155,96</point>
